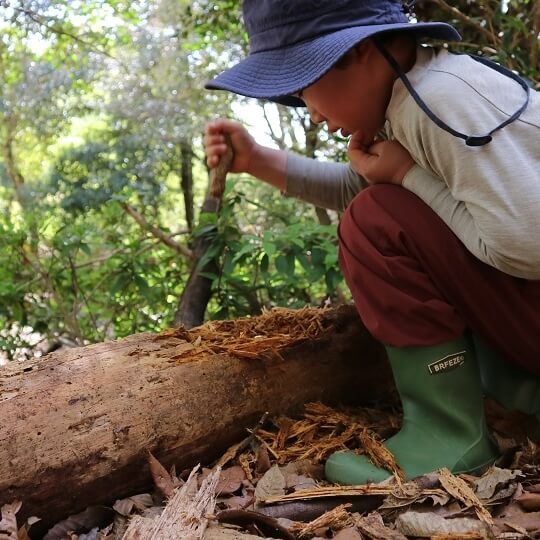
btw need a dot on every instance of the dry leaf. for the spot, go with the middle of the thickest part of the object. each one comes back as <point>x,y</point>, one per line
<point>295,477</point>
<point>230,480</point>
<point>93,516</point>
<point>373,526</point>
<point>428,524</point>
<point>272,484</point>
<point>350,533</point>
<point>459,536</point>
<point>529,502</point>
<point>217,532</point>
<point>515,518</point>
<point>162,479</point>
<point>263,460</point>
<point>138,502</point>
<point>245,518</point>
<point>487,484</point>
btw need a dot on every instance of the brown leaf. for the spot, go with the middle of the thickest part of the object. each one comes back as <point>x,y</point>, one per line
<point>295,478</point>
<point>263,460</point>
<point>138,502</point>
<point>162,479</point>
<point>350,533</point>
<point>271,484</point>
<point>218,532</point>
<point>429,524</point>
<point>458,536</point>
<point>93,516</point>
<point>529,521</point>
<point>230,480</point>
<point>373,526</point>
<point>529,501</point>
<point>237,503</point>
<point>494,477</point>
<point>266,524</point>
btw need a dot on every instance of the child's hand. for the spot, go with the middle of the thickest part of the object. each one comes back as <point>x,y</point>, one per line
<point>384,162</point>
<point>244,145</point>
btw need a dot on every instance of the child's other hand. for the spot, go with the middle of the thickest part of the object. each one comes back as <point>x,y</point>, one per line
<point>244,145</point>
<point>383,162</point>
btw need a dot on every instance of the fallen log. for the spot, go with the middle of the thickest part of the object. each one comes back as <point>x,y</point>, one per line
<point>76,426</point>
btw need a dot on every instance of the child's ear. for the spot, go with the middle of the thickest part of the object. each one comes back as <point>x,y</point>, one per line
<point>364,51</point>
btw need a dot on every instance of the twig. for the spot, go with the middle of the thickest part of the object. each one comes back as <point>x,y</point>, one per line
<point>157,232</point>
<point>60,31</point>
<point>233,451</point>
<point>467,20</point>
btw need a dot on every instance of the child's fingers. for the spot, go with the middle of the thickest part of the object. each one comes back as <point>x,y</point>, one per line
<point>212,140</point>
<point>214,153</point>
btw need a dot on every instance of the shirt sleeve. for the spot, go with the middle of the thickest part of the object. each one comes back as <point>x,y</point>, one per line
<point>324,184</point>
<point>436,194</point>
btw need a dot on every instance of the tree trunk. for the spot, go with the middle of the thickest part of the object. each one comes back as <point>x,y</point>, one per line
<point>77,424</point>
<point>198,289</point>
<point>186,157</point>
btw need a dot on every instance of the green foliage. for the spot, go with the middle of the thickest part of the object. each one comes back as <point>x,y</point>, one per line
<point>286,260</point>
<point>98,102</point>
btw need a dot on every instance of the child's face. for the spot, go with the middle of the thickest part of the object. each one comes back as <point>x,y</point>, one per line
<point>353,98</point>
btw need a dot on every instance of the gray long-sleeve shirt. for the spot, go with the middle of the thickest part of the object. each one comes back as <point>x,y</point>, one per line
<point>489,195</point>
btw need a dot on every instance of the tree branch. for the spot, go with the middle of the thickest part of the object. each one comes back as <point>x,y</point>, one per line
<point>467,20</point>
<point>38,19</point>
<point>157,232</point>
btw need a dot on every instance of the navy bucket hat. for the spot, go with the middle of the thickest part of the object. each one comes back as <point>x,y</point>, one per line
<point>293,43</point>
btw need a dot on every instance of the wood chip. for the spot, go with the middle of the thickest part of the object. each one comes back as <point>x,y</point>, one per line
<point>8,523</point>
<point>184,516</point>
<point>379,454</point>
<point>252,337</point>
<point>462,492</point>
<point>342,491</point>
<point>338,518</point>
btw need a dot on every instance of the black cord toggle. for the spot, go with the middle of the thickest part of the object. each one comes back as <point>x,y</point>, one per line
<point>479,140</point>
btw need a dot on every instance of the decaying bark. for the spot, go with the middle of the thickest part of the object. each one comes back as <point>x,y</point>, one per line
<point>77,424</point>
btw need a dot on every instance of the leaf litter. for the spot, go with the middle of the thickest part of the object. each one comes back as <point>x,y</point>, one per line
<point>271,485</point>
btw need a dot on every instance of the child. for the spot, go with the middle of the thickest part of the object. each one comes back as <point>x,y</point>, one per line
<point>444,264</point>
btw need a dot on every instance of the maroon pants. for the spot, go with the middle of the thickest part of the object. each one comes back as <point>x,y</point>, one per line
<point>415,284</point>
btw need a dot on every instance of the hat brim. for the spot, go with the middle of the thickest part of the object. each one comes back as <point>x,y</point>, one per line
<point>277,74</point>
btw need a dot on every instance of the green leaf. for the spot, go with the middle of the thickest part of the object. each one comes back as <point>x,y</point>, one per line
<point>264,264</point>
<point>142,285</point>
<point>269,246</point>
<point>121,282</point>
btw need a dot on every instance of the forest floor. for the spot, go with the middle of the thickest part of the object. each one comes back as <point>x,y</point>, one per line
<point>271,484</point>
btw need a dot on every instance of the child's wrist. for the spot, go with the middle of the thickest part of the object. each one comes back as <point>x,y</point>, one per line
<point>403,171</point>
<point>256,160</point>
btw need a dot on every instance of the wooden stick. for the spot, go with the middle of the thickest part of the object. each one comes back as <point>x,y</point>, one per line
<point>218,174</point>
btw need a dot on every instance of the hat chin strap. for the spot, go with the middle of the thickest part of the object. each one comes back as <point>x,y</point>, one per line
<point>470,140</point>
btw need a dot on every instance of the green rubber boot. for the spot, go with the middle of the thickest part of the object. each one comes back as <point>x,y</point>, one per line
<point>443,417</point>
<point>509,385</point>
